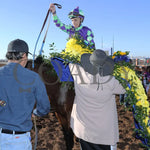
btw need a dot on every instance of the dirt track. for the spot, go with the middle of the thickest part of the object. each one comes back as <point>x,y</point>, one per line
<point>50,135</point>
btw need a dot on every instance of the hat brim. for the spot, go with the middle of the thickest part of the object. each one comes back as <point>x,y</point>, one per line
<point>105,70</point>
<point>86,64</point>
<point>29,53</point>
<point>14,51</point>
<point>108,67</point>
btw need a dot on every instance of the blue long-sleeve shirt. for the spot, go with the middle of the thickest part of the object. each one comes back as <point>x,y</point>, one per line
<point>20,89</point>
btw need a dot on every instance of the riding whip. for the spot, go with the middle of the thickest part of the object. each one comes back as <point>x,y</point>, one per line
<point>48,12</point>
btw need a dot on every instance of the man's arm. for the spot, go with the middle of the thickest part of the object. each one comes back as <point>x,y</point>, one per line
<point>43,103</point>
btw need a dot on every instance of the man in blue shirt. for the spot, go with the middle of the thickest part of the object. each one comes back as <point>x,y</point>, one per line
<point>20,90</point>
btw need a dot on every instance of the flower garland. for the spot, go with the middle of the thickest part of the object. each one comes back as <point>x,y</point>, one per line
<point>75,47</point>
<point>136,96</point>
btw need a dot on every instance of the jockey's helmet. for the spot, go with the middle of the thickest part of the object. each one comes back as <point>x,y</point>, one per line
<point>76,13</point>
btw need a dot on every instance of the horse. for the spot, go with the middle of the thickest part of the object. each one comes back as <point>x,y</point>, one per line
<point>61,96</point>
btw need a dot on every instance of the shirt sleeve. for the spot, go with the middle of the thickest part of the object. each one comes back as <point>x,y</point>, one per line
<point>62,26</point>
<point>118,88</point>
<point>42,100</point>
<point>90,39</point>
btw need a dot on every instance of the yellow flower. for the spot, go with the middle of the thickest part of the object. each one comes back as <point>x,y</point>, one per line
<point>73,49</point>
<point>118,53</point>
<point>143,103</point>
<point>122,53</point>
<point>114,53</point>
<point>113,57</point>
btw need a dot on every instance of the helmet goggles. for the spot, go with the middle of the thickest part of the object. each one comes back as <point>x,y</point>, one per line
<point>76,13</point>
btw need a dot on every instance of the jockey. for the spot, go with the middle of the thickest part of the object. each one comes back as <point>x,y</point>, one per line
<point>77,18</point>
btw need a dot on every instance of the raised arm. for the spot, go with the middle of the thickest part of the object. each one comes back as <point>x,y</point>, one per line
<point>58,23</point>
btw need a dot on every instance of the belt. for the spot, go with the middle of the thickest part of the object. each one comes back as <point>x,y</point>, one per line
<point>12,132</point>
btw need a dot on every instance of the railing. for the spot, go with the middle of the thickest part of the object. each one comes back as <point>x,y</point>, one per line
<point>141,62</point>
<point>3,62</point>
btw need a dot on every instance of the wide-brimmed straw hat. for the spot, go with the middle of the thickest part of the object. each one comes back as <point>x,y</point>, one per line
<point>97,62</point>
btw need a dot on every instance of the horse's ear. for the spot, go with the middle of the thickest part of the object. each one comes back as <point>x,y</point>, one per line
<point>39,59</point>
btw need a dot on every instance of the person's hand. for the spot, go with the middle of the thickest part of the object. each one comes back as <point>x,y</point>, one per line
<point>33,115</point>
<point>52,8</point>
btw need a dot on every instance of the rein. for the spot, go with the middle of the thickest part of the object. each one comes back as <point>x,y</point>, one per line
<point>45,20</point>
<point>36,133</point>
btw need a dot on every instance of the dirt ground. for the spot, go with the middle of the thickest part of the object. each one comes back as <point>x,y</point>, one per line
<point>50,135</point>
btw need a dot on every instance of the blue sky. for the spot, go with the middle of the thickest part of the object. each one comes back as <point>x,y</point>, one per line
<point>125,21</point>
